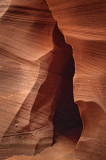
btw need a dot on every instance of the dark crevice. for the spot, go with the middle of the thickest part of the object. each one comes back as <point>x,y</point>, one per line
<point>66,119</point>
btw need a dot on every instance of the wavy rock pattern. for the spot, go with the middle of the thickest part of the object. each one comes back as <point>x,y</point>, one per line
<point>36,79</point>
<point>86,32</point>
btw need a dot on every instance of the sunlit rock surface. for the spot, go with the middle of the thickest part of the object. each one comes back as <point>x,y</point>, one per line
<point>38,94</point>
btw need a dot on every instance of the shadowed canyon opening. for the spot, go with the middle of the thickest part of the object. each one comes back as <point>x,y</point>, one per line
<point>64,113</point>
<point>66,117</point>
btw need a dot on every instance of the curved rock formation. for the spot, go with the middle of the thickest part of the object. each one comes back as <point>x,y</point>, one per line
<point>86,32</point>
<point>36,85</point>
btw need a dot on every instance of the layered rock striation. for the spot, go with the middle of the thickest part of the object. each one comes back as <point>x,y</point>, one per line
<point>84,27</point>
<point>43,45</point>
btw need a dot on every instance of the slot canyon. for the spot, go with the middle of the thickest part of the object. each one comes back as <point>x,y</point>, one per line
<point>52,80</point>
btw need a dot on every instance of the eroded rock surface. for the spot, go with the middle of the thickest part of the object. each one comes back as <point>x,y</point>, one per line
<point>37,89</point>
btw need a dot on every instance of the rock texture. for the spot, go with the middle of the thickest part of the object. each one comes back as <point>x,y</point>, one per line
<point>42,45</point>
<point>86,32</point>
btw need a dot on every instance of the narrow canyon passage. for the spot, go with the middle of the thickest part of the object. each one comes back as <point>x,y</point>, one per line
<point>66,116</point>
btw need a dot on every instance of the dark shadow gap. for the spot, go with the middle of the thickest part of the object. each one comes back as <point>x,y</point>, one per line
<point>67,120</point>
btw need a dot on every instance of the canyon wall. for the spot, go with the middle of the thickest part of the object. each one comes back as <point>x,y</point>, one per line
<point>52,76</point>
<point>83,24</point>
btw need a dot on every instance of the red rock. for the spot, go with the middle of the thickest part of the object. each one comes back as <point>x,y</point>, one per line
<point>37,89</point>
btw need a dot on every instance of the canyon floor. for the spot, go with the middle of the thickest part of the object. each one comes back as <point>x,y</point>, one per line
<point>63,149</point>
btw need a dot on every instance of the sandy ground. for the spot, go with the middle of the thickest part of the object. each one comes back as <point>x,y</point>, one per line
<point>63,149</point>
